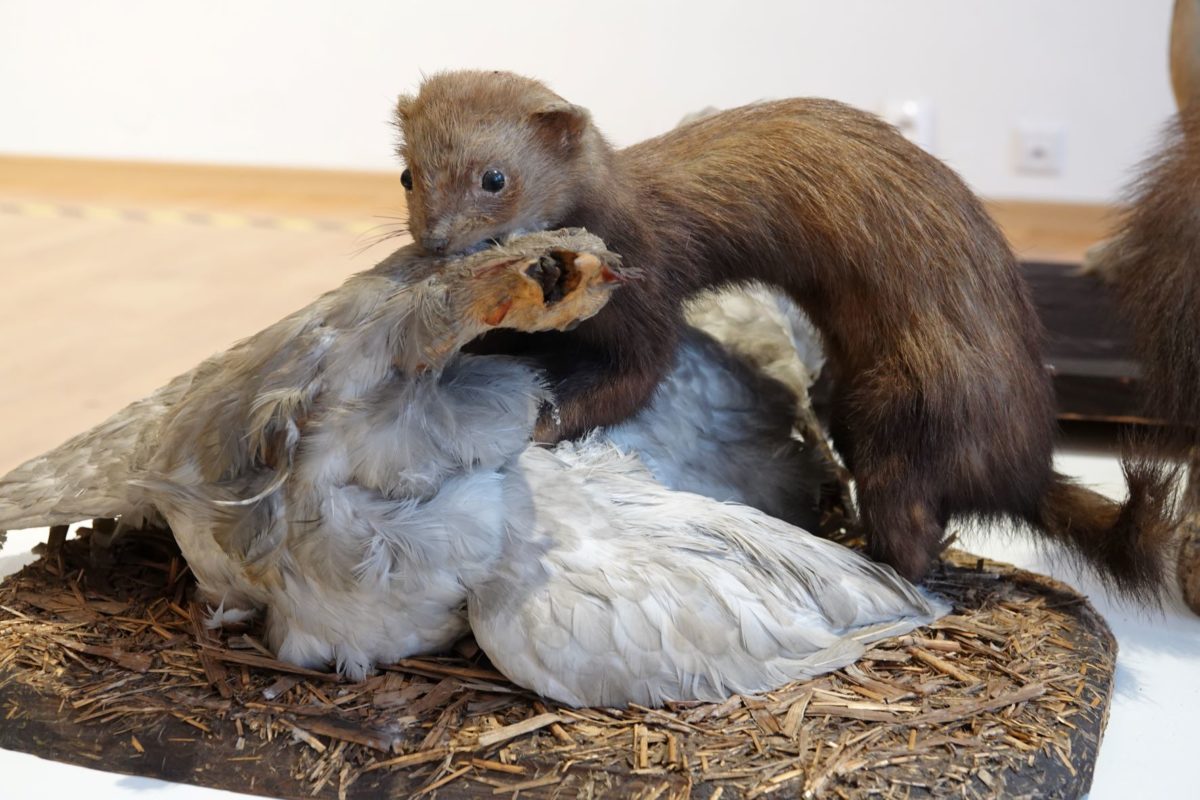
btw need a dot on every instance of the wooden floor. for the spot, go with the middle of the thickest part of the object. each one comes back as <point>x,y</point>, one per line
<point>119,276</point>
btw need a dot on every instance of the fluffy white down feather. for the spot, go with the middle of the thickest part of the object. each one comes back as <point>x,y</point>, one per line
<point>403,507</point>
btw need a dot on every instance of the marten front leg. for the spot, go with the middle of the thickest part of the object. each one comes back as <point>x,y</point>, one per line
<point>903,525</point>
<point>592,393</point>
<point>606,370</point>
<point>899,456</point>
<point>594,384</point>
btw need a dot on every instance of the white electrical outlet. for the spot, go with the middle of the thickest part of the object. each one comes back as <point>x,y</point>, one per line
<point>1039,149</point>
<point>914,119</point>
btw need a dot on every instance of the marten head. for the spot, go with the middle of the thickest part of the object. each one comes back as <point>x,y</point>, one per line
<point>487,154</point>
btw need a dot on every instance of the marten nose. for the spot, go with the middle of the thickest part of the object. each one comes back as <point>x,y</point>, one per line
<point>435,244</point>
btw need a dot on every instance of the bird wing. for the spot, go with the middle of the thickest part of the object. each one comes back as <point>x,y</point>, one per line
<point>718,427</point>
<point>613,589</point>
<point>763,326</point>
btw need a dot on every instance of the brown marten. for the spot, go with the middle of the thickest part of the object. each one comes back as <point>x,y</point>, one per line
<point>1153,265</point>
<point>942,408</point>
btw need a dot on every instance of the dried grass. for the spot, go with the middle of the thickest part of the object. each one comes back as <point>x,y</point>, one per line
<point>1006,697</point>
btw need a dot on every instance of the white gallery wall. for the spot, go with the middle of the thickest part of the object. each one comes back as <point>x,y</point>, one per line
<point>311,83</point>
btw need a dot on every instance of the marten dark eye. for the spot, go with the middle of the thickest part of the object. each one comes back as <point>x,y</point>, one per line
<point>406,179</point>
<point>493,180</point>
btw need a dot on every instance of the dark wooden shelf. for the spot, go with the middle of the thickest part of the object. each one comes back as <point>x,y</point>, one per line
<point>1088,347</point>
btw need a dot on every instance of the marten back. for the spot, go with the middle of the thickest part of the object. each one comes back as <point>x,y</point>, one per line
<point>915,290</point>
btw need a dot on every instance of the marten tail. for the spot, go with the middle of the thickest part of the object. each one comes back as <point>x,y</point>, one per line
<point>1126,544</point>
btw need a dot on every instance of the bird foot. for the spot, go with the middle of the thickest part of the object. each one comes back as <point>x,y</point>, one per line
<point>553,289</point>
<point>545,281</point>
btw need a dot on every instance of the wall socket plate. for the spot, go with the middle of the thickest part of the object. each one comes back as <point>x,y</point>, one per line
<point>914,119</point>
<point>1039,148</point>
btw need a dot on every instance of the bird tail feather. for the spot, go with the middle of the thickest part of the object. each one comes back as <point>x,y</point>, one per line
<point>86,477</point>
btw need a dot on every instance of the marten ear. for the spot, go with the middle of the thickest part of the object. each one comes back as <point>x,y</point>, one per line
<point>561,123</point>
<point>404,105</point>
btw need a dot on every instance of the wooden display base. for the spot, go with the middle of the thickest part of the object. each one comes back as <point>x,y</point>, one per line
<point>111,667</point>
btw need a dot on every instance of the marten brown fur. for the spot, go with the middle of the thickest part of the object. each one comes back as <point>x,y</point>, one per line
<point>942,407</point>
<point>1153,265</point>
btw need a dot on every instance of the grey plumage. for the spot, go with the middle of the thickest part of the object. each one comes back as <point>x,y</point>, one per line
<point>349,474</point>
<point>626,591</point>
<point>722,423</point>
<point>86,476</point>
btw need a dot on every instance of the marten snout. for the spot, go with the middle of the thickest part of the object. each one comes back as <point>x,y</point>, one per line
<point>435,244</point>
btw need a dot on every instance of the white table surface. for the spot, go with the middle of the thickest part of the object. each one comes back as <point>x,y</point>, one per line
<point>1147,749</point>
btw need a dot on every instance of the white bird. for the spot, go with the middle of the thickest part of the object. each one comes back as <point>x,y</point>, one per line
<point>375,493</point>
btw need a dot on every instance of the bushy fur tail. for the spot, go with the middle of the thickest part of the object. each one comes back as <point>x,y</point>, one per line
<point>1126,544</point>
